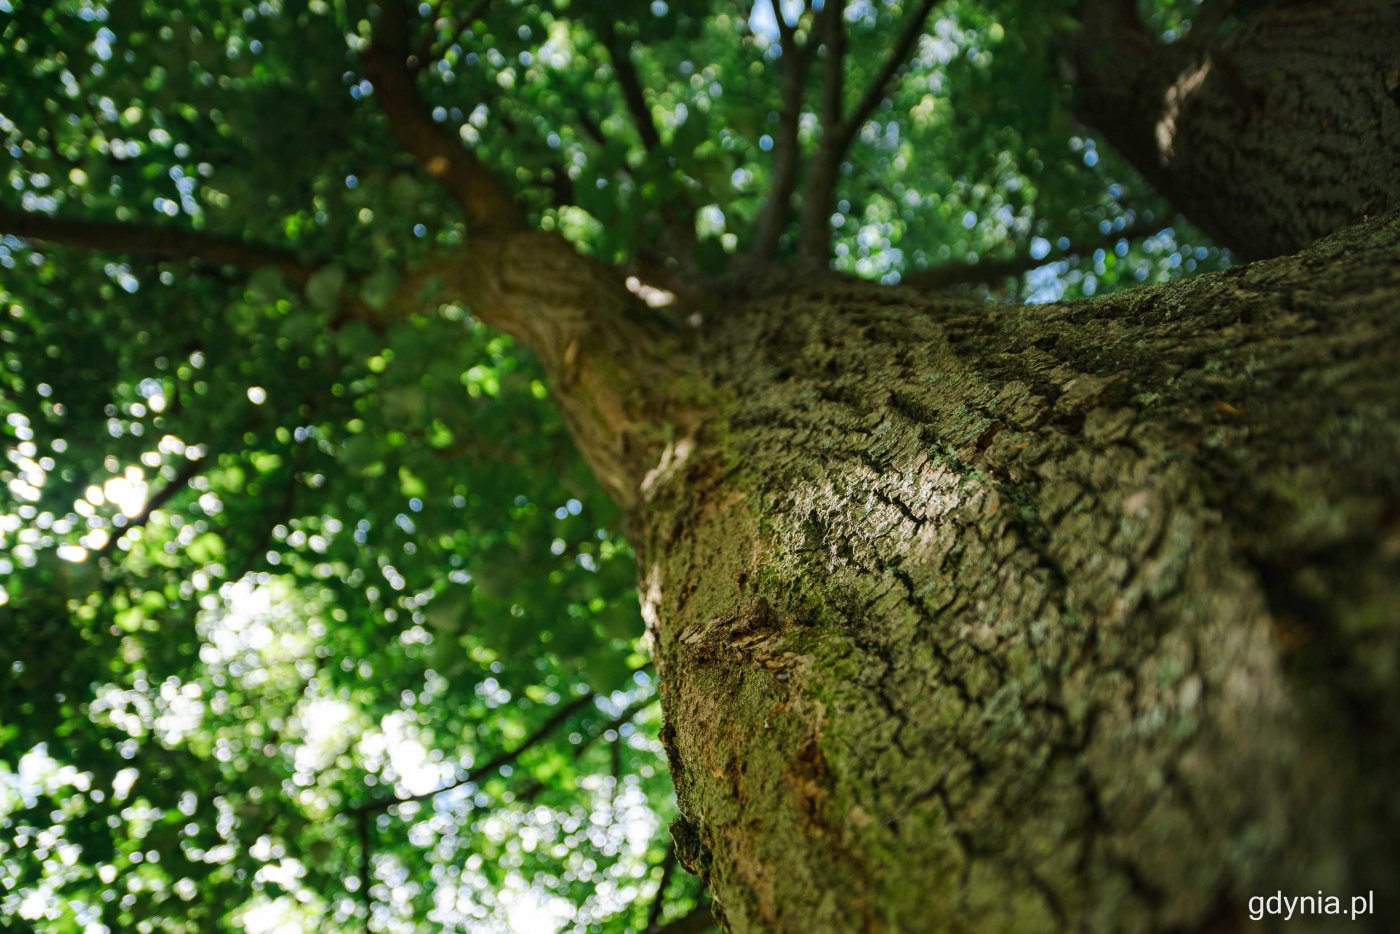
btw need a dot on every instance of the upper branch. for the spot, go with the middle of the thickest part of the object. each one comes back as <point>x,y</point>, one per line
<point>157,242</point>
<point>465,177</point>
<point>815,239</point>
<point>631,84</point>
<point>787,154</point>
<point>888,76</point>
<point>838,130</point>
<point>833,30</point>
<point>668,868</point>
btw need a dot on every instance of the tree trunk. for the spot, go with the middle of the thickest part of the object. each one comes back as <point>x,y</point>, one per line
<point>1283,131</point>
<point>1083,616</point>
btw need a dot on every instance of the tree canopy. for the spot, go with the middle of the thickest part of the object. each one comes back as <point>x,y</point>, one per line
<point>311,612</point>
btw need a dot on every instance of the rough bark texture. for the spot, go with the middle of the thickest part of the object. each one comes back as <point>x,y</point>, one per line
<point>1284,130</point>
<point>622,380</point>
<point>1077,617</point>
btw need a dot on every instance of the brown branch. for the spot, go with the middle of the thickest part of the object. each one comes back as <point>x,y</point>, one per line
<point>362,820</point>
<point>668,866</point>
<point>534,787</point>
<point>947,275</point>
<point>163,243</point>
<point>436,147</point>
<point>187,472</point>
<point>839,132</point>
<point>884,84</point>
<point>833,28</point>
<point>814,242</point>
<point>489,767</point>
<point>697,920</point>
<point>677,215</point>
<point>628,79</point>
<point>787,155</point>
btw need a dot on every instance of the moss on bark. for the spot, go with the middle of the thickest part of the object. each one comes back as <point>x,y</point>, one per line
<point>1037,618</point>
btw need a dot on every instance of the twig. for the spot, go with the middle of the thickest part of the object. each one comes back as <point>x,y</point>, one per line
<point>492,765</point>
<point>165,494</point>
<point>432,53</point>
<point>960,273</point>
<point>697,920</point>
<point>626,716</point>
<point>362,821</point>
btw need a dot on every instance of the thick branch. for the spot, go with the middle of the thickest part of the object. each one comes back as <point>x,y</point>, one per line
<point>833,68</point>
<point>631,84</point>
<point>815,241</point>
<point>768,228</point>
<point>1267,135</point>
<point>167,243</point>
<point>436,147</point>
<point>611,357</point>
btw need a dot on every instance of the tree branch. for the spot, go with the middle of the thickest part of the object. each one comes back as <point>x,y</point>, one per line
<point>619,52</point>
<point>947,275</point>
<point>787,154</point>
<point>833,29</point>
<point>699,919</point>
<point>489,767</point>
<point>626,716</point>
<point>167,243</point>
<point>884,84</point>
<point>668,866</point>
<point>362,820</point>
<point>188,471</point>
<point>839,132</point>
<point>439,150</point>
<point>531,790</point>
<point>815,238</point>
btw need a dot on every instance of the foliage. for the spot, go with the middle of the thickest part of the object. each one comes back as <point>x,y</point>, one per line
<point>268,562</point>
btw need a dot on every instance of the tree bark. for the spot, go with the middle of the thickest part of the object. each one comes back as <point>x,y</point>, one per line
<point>1283,131</point>
<point>1036,618</point>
